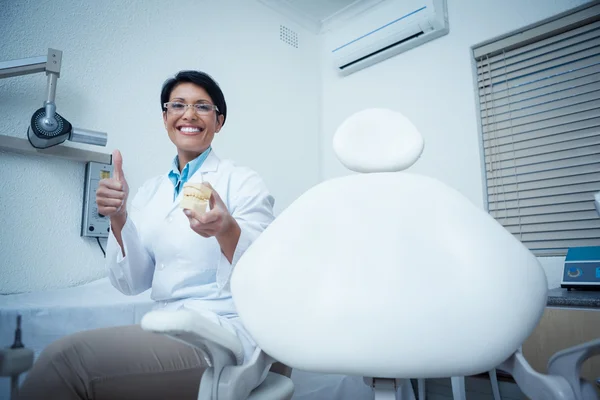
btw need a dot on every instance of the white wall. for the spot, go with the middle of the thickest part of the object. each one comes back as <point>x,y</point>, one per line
<point>433,86</point>
<point>116,55</point>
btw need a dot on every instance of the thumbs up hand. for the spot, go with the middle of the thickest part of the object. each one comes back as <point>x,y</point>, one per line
<point>117,161</point>
<point>111,195</point>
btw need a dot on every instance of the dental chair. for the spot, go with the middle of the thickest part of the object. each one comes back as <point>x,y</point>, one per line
<point>386,275</point>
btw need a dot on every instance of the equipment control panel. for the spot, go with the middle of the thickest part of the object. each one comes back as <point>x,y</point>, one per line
<point>582,268</point>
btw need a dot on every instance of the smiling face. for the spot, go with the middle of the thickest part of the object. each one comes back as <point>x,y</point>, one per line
<point>190,132</point>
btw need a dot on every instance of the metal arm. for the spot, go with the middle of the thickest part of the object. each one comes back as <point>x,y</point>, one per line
<point>47,127</point>
<point>49,63</point>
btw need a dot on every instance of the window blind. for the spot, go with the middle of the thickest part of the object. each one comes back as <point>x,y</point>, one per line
<point>539,107</point>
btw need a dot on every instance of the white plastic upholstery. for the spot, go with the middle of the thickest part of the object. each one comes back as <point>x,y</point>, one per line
<point>388,274</point>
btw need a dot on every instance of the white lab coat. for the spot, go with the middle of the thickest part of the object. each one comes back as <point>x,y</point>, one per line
<point>184,269</point>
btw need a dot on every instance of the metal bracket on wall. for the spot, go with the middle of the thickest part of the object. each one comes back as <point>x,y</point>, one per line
<point>22,146</point>
<point>47,128</point>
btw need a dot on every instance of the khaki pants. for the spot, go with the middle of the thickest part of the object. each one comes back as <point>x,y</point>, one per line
<point>115,363</point>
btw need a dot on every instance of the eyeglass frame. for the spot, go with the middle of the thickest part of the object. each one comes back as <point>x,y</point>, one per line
<point>214,107</point>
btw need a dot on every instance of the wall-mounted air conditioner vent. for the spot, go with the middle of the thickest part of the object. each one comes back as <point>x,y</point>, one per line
<point>387,30</point>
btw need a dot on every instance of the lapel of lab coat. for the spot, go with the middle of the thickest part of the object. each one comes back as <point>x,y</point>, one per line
<point>211,164</point>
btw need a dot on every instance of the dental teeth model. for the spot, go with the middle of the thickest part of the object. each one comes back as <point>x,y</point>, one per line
<point>196,197</point>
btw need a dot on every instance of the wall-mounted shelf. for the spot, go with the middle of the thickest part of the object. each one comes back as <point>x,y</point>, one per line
<point>22,146</point>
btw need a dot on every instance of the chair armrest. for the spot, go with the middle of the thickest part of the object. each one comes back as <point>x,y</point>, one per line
<point>220,347</point>
<point>228,376</point>
<point>192,328</point>
<point>567,363</point>
<point>534,385</point>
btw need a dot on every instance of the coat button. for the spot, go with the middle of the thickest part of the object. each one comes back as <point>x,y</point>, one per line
<point>161,267</point>
<point>170,219</point>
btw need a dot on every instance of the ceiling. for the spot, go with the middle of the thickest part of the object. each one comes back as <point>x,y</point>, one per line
<point>319,10</point>
<point>318,15</point>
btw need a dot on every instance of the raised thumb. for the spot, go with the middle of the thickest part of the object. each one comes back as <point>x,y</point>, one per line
<point>117,161</point>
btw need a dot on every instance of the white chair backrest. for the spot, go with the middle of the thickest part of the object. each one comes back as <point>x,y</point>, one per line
<point>387,274</point>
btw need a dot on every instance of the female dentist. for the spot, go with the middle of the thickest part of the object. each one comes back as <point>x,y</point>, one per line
<point>186,260</point>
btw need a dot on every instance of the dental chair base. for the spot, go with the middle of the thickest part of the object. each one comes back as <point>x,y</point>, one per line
<point>227,377</point>
<point>387,389</point>
<point>239,382</point>
<point>562,382</point>
<point>401,389</point>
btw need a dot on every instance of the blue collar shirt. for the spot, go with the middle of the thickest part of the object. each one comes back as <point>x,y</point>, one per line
<point>180,178</point>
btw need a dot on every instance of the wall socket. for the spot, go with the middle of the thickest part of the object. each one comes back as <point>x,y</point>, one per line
<point>94,224</point>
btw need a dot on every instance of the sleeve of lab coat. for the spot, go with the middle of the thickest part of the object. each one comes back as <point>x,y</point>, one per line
<point>133,273</point>
<point>252,207</point>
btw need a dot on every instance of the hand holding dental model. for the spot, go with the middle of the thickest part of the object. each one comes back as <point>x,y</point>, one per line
<point>196,197</point>
<point>213,222</point>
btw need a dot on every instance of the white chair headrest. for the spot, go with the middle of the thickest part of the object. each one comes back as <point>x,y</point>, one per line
<point>377,140</point>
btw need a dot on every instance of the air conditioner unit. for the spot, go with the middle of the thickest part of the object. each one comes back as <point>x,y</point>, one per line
<point>388,29</point>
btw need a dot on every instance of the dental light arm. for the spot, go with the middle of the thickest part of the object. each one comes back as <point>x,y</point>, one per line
<point>47,127</point>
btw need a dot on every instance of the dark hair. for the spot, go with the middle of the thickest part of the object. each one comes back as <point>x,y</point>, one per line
<point>200,79</point>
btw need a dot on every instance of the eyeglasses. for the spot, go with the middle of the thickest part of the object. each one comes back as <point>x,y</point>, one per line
<point>177,108</point>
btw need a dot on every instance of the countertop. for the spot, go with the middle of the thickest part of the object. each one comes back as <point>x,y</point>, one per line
<point>560,297</point>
